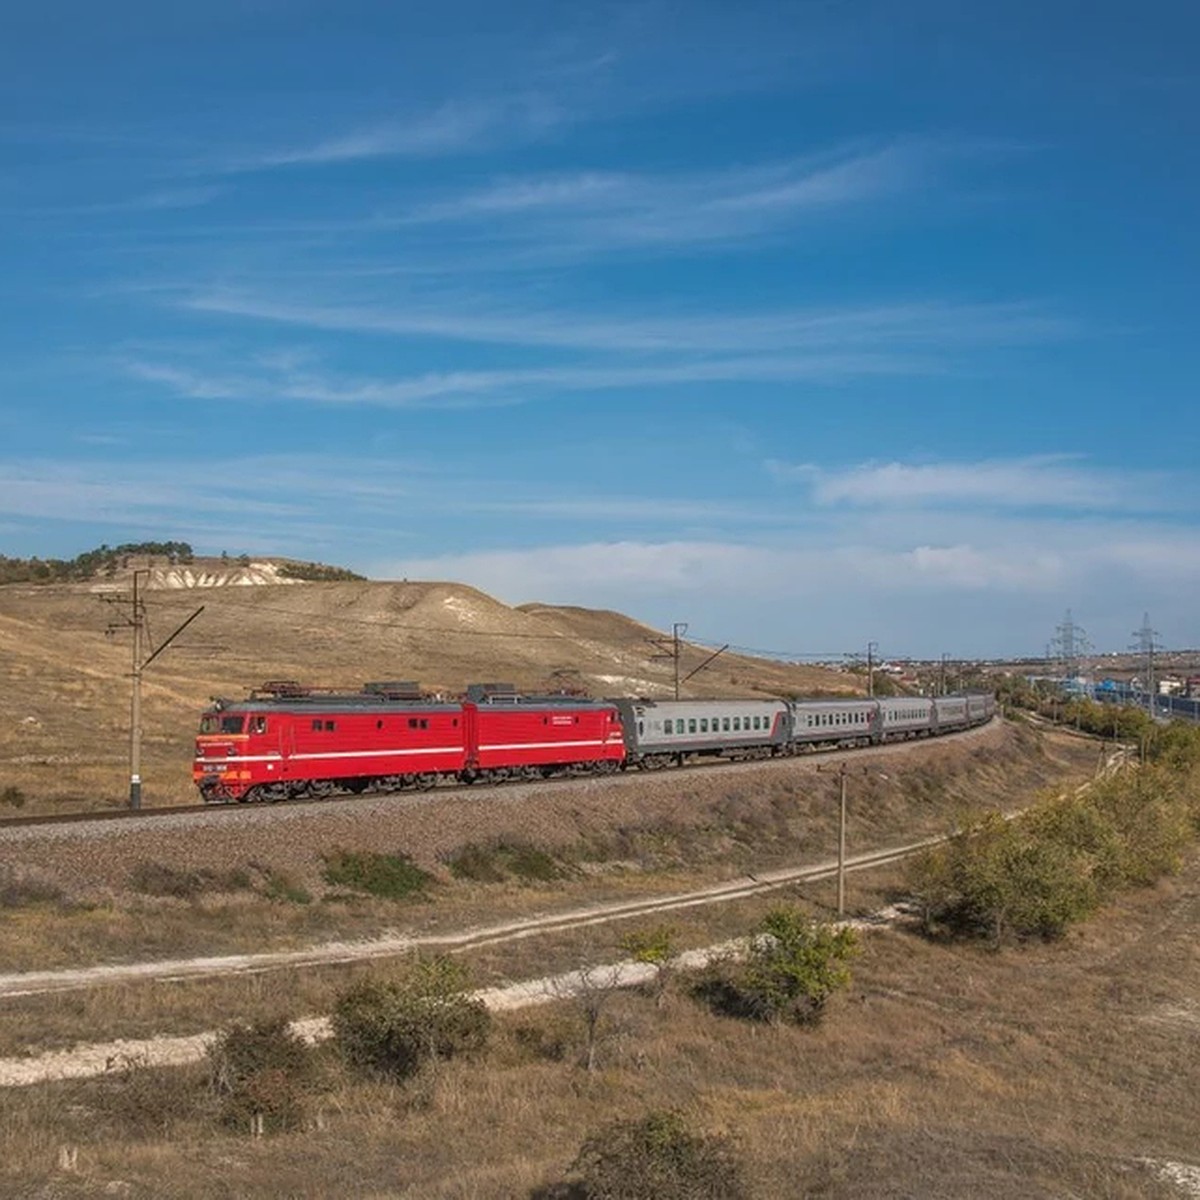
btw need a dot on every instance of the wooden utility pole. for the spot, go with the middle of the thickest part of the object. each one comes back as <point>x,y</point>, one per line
<point>673,648</point>
<point>841,874</point>
<point>843,772</point>
<point>135,713</point>
<point>137,621</point>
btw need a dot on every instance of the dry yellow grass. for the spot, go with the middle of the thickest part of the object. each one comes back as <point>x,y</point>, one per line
<point>946,1071</point>
<point>64,685</point>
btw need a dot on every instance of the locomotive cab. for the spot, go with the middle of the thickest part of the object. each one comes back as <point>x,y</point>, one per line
<point>224,745</point>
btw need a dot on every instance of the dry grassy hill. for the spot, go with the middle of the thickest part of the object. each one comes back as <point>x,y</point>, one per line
<point>64,704</point>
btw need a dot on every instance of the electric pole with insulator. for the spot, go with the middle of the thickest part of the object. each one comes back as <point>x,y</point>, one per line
<point>137,622</point>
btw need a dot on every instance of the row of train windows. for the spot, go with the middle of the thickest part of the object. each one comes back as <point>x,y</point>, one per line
<point>719,724</point>
<point>908,714</point>
<point>813,720</point>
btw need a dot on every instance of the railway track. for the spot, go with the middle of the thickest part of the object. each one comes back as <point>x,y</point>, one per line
<point>157,811</point>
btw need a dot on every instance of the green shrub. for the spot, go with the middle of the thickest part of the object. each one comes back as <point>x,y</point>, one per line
<point>657,1156</point>
<point>794,964</point>
<point>655,947</point>
<point>493,862</point>
<point>261,1072</point>
<point>389,876</point>
<point>1005,877</point>
<point>1150,811</point>
<point>394,1026</point>
<point>1176,745</point>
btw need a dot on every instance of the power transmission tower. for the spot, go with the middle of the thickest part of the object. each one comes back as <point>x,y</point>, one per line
<point>1145,645</point>
<point>136,620</point>
<point>1070,645</point>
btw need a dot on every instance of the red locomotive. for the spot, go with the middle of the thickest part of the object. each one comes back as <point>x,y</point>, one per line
<point>287,741</point>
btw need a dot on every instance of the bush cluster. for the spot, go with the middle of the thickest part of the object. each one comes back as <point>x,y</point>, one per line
<point>317,573</point>
<point>88,564</point>
<point>794,964</point>
<point>493,862</point>
<point>389,876</point>
<point>395,1026</point>
<point>20,887</point>
<point>658,1155</point>
<point>1036,875</point>
<point>12,797</point>
<point>261,1072</point>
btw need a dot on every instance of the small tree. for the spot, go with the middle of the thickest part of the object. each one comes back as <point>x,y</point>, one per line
<point>394,1026</point>
<point>1004,877</point>
<point>658,1156</point>
<point>654,947</point>
<point>590,989</point>
<point>794,964</point>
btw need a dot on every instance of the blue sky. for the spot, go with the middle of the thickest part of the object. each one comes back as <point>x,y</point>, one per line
<point>806,324</point>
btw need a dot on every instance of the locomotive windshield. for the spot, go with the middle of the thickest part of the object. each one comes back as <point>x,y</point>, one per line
<point>220,723</point>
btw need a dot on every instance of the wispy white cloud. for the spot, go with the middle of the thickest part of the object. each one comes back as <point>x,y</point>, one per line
<point>454,127</point>
<point>1037,481</point>
<point>289,382</point>
<point>918,324</point>
<point>598,210</point>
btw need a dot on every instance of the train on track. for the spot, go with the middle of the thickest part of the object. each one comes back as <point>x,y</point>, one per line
<point>288,742</point>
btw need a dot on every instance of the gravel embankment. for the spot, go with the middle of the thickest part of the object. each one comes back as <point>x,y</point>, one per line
<point>427,825</point>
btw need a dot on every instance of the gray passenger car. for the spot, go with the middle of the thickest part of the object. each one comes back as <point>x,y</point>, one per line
<point>950,712</point>
<point>905,717</point>
<point>658,732</point>
<point>844,722</point>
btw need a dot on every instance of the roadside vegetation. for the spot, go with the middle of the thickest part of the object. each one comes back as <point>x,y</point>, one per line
<point>1118,722</point>
<point>505,858</point>
<point>792,966</point>
<point>387,876</point>
<point>420,1093</point>
<point>1063,858</point>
